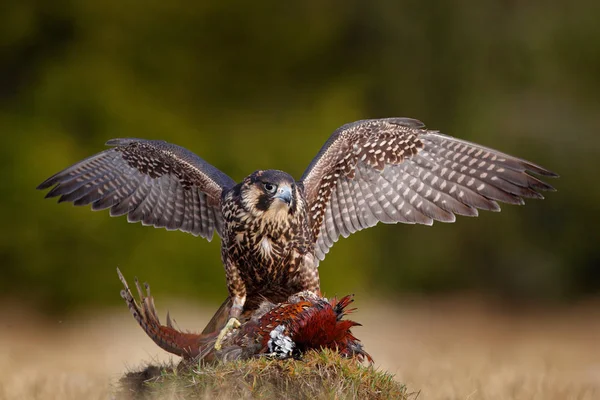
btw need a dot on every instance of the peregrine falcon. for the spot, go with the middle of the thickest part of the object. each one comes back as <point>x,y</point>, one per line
<point>275,230</point>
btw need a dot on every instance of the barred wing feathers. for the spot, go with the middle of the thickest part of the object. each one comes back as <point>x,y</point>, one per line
<point>155,182</point>
<point>394,170</point>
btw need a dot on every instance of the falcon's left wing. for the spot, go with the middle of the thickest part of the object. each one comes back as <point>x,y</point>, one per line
<point>152,181</point>
<point>395,170</point>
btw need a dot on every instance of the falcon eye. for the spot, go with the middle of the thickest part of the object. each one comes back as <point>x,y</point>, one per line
<point>269,187</point>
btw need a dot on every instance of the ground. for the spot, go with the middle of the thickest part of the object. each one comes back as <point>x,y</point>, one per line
<point>440,349</point>
<point>318,375</point>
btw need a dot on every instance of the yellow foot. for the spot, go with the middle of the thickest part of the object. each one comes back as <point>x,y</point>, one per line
<point>232,324</point>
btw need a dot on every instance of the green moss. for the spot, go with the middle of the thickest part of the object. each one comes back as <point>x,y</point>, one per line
<point>319,375</point>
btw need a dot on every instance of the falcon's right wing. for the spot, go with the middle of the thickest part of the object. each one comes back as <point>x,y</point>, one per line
<point>151,181</point>
<point>394,170</point>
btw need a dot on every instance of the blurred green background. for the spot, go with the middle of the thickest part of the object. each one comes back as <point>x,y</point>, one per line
<point>251,85</point>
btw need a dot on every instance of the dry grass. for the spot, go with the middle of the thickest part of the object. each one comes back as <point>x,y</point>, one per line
<point>444,349</point>
<point>319,375</point>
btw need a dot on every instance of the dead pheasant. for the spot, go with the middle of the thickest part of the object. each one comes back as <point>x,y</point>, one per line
<point>306,321</point>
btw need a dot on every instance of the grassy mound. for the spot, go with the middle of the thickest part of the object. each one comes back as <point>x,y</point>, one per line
<point>319,375</point>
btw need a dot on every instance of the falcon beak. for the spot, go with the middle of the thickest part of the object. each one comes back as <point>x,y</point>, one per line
<point>284,193</point>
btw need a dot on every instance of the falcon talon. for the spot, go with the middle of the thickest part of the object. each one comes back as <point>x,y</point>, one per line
<point>231,325</point>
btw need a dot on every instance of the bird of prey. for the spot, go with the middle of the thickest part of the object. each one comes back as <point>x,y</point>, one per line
<point>275,230</point>
<point>303,322</point>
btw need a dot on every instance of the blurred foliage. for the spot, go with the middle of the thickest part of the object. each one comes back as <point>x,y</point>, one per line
<point>262,85</point>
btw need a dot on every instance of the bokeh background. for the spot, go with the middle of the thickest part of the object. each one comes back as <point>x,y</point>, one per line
<point>262,85</point>
<point>251,85</point>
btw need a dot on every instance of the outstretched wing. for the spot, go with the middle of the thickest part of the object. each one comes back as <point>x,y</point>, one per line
<point>151,181</point>
<point>394,170</point>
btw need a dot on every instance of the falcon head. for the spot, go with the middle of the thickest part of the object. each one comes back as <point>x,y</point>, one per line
<point>270,194</point>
